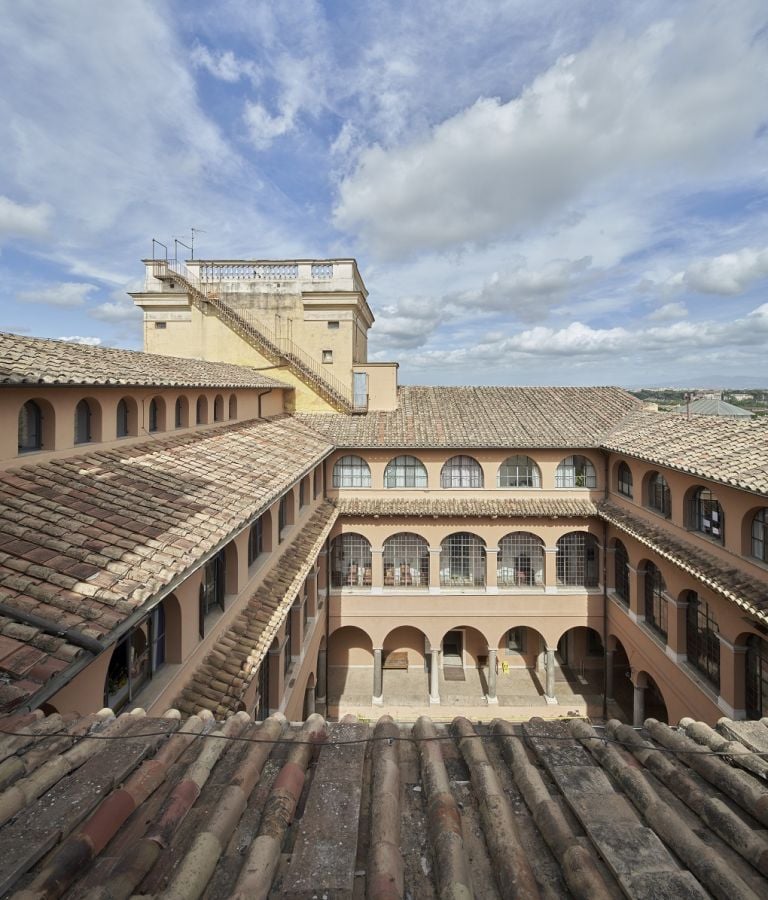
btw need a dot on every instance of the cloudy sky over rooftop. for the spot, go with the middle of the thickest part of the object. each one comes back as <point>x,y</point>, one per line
<point>536,192</point>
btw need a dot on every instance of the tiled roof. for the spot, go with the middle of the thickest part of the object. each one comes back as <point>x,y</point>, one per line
<point>733,451</point>
<point>28,360</point>
<point>515,417</point>
<point>347,810</point>
<point>458,507</point>
<point>711,407</point>
<point>86,541</point>
<point>749,593</point>
<point>221,681</point>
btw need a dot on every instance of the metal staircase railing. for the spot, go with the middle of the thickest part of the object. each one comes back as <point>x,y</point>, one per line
<point>246,323</point>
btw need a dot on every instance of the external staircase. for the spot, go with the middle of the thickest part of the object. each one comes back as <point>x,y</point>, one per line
<point>277,349</point>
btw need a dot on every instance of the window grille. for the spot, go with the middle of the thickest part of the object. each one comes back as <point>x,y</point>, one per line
<point>462,561</point>
<point>576,560</point>
<point>153,415</point>
<point>350,561</point>
<point>518,471</point>
<point>702,643</point>
<point>658,494</point>
<point>405,472</point>
<point>30,427</point>
<point>351,471</point>
<point>461,472</point>
<point>760,535</point>
<point>406,561</point>
<point>625,480</point>
<point>655,601</point>
<point>705,514</point>
<point>82,422</point>
<point>520,561</point>
<point>575,471</point>
<point>122,419</point>
<point>756,677</point>
<point>255,540</point>
<point>621,572</point>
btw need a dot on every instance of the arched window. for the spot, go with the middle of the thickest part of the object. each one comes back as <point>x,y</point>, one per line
<point>406,561</point>
<point>760,535</point>
<point>180,412</point>
<point>576,560</point>
<point>123,424</point>
<point>624,474</point>
<point>658,494</point>
<point>233,406</point>
<point>154,415</point>
<point>702,644</point>
<point>135,660</point>
<point>201,410</point>
<point>405,472</point>
<point>255,541</point>
<point>655,601</point>
<point>575,471</point>
<point>351,471</point>
<point>461,472</point>
<point>621,571</point>
<point>350,561</point>
<point>518,471</point>
<point>756,686</point>
<point>212,588</point>
<point>83,417</point>
<point>30,427</point>
<point>704,514</point>
<point>285,513</point>
<point>462,561</point>
<point>520,560</point>
<point>218,408</point>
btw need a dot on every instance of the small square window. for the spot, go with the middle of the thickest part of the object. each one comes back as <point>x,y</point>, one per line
<point>327,356</point>
<point>160,324</point>
<point>333,325</point>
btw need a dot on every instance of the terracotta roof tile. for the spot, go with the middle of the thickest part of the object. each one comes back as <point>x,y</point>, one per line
<point>28,360</point>
<point>535,808</point>
<point>458,417</point>
<point>457,507</point>
<point>158,507</point>
<point>732,451</point>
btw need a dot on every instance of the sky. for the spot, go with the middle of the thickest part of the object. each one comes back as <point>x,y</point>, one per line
<point>571,192</point>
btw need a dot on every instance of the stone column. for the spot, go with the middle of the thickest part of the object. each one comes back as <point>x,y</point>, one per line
<point>609,674</point>
<point>377,570</point>
<point>492,698</point>
<point>677,612</point>
<point>491,572</point>
<point>550,570</point>
<point>434,570</point>
<point>733,681</point>
<point>434,677</point>
<point>310,701</point>
<point>378,683</point>
<point>322,662</point>
<point>638,708</point>
<point>636,595</point>
<point>549,689</point>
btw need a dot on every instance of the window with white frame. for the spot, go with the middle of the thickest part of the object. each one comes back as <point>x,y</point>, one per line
<point>462,561</point>
<point>406,561</point>
<point>405,472</point>
<point>520,560</point>
<point>461,472</point>
<point>350,561</point>
<point>575,472</point>
<point>518,471</point>
<point>351,471</point>
<point>576,560</point>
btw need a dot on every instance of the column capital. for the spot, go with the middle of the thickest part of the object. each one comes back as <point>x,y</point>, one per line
<point>736,649</point>
<point>491,549</point>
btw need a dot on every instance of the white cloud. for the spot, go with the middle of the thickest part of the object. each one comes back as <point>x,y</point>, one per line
<point>730,273</point>
<point>263,128</point>
<point>64,294</point>
<point>79,339</point>
<point>116,311</point>
<point>668,312</point>
<point>17,220</point>
<point>225,65</point>
<point>668,103</point>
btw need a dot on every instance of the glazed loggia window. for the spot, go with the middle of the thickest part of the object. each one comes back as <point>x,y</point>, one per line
<point>518,472</point>
<point>575,472</point>
<point>351,471</point>
<point>461,472</point>
<point>30,427</point>
<point>405,472</point>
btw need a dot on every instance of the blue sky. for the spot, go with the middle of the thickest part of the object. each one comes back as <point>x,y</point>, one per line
<point>549,192</point>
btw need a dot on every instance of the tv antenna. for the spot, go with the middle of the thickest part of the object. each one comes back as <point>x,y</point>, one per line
<point>194,232</point>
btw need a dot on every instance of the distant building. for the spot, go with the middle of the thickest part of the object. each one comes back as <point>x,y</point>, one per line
<point>706,406</point>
